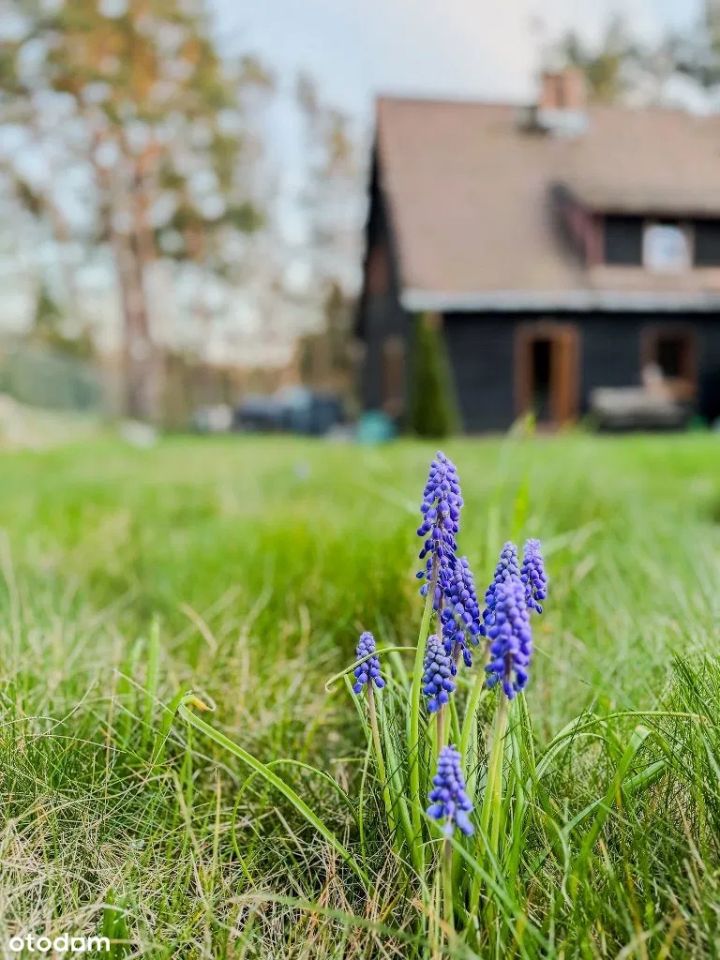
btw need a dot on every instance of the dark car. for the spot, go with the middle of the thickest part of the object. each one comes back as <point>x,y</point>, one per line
<point>290,410</point>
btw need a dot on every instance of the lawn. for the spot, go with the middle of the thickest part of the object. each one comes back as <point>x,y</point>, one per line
<point>245,569</point>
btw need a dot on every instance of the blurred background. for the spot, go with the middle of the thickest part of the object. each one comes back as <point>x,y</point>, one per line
<point>210,222</point>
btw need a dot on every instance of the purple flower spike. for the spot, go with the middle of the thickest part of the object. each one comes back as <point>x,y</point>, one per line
<point>448,800</point>
<point>442,501</point>
<point>369,669</point>
<point>533,575</point>
<point>508,565</point>
<point>437,676</point>
<point>461,612</point>
<point>511,639</point>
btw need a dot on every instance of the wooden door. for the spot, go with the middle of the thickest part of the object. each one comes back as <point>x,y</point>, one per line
<point>546,372</point>
<point>564,374</point>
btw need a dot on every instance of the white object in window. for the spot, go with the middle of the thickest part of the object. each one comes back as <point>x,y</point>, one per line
<point>665,248</point>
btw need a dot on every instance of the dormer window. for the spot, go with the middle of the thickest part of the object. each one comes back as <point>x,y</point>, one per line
<point>623,241</point>
<point>660,245</point>
<point>666,247</point>
<point>707,243</point>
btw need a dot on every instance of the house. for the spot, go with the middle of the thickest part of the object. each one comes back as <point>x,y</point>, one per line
<point>562,247</point>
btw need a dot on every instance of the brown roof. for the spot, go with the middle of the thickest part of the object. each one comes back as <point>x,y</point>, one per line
<point>468,192</point>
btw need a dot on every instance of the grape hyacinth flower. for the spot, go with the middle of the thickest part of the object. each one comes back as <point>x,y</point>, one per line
<point>461,612</point>
<point>532,574</point>
<point>369,669</point>
<point>442,501</point>
<point>508,566</point>
<point>437,682</point>
<point>448,799</point>
<point>511,639</point>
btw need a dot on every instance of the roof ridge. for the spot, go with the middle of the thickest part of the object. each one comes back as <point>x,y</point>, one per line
<point>461,101</point>
<point>470,101</point>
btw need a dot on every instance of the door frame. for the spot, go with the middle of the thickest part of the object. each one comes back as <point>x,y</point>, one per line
<point>564,378</point>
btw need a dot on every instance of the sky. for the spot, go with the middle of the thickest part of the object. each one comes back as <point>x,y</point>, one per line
<point>488,49</point>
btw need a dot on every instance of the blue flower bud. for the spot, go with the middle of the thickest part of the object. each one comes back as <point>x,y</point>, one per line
<point>508,565</point>
<point>442,501</point>
<point>437,681</point>
<point>448,799</point>
<point>460,614</point>
<point>511,638</point>
<point>369,669</point>
<point>533,575</point>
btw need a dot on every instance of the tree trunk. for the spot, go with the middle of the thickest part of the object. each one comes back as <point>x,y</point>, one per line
<point>139,355</point>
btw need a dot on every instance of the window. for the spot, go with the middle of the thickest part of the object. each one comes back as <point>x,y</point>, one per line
<point>623,241</point>
<point>671,355</point>
<point>666,247</point>
<point>661,246</point>
<point>707,243</point>
<point>671,352</point>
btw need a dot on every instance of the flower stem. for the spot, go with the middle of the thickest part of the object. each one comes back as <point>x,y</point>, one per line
<point>469,734</point>
<point>441,730</point>
<point>492,800</point>
<point>414,724</point>
<point>379,760</point>
<point>446,867</point>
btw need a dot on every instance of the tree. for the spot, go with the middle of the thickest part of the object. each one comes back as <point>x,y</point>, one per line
<point>606,66</point>
<point>680,69</point>
<point>47,329</point>
<point>696,53</point>
<point>332,196</point>
<point>132,97</point>
<point>433,411</point>
<point>326,357</point>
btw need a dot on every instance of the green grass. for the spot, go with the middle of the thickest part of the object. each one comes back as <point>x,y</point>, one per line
<point>261,560</point>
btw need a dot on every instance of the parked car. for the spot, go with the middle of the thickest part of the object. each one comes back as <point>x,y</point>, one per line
<point>290,410</point>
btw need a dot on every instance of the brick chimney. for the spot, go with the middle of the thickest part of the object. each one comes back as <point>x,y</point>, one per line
<point>561,107</point>
<point>563,90</point>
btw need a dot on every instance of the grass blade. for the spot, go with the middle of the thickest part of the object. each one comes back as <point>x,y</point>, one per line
<point>190,700</point>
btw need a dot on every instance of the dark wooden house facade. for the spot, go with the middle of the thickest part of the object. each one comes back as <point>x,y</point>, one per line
<point>561,247</point>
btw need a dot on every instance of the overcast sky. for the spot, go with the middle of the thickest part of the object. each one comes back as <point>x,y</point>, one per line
<point>477,48</point>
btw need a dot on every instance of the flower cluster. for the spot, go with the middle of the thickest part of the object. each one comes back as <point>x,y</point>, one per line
<point>442,501</point>
<point>510,636</point>
<point>437,682</point>
<point>448,799</point>
<point>460,615</point>
<point>532,574</point>
<point>508,566</point>
<point>369,669</point>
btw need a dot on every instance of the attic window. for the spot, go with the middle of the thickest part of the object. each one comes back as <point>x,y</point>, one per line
<point>707,243</point>
<point>666,247</point>
<point>623,241</point>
